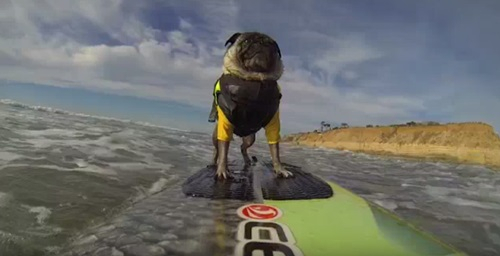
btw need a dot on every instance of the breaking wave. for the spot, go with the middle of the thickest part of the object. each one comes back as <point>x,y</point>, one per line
<point>14,103</point>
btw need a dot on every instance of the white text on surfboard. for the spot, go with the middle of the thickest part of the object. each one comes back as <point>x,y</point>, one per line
<point>265,236</point>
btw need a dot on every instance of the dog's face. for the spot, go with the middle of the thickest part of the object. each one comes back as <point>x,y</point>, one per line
<point>253,56</point>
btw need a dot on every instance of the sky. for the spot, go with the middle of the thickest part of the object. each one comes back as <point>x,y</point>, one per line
<point>359,62</point>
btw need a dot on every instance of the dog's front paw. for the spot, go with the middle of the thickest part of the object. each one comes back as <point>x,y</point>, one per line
<point>222,173</point>
<point>282,172</point>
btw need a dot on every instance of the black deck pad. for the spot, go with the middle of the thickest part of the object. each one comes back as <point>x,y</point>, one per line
<point>302,185</point>
<point>204,184</point>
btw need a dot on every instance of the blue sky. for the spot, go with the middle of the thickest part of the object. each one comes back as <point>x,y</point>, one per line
<point>355,61</point>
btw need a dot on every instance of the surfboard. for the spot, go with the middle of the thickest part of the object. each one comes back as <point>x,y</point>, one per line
<point>307,215</point>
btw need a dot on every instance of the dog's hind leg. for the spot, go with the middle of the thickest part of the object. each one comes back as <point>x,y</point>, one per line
<point>247,142</point>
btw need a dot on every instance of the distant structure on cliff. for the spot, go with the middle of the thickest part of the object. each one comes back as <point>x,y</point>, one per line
<point>326,126</point>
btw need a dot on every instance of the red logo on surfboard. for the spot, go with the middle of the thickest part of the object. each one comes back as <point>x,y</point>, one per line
<point>259,212</point>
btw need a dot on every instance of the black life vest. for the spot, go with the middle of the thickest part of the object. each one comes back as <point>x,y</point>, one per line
<point>248,104</point>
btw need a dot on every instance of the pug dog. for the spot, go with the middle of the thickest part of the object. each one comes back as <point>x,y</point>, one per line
<point>246,98</point>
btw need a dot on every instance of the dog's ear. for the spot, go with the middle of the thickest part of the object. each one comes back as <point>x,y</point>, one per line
<point>278,48</point>
<point>232,39</point>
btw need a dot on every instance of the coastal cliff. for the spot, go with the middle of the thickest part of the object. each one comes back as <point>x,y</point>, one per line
<point>473,143</point>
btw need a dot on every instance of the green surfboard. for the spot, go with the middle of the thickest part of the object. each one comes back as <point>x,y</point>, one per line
<point>341,223</point>
<point>346,224</point>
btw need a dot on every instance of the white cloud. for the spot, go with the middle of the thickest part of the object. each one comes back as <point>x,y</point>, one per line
<point>173,70</point>
<point>108,46</point>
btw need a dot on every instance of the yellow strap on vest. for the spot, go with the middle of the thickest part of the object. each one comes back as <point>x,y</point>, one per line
<point>216,90</point>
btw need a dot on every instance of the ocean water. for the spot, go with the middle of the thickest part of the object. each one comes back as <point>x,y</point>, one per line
<point>65,174</point>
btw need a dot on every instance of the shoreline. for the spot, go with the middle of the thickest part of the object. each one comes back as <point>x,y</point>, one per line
<point>458,143</point>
